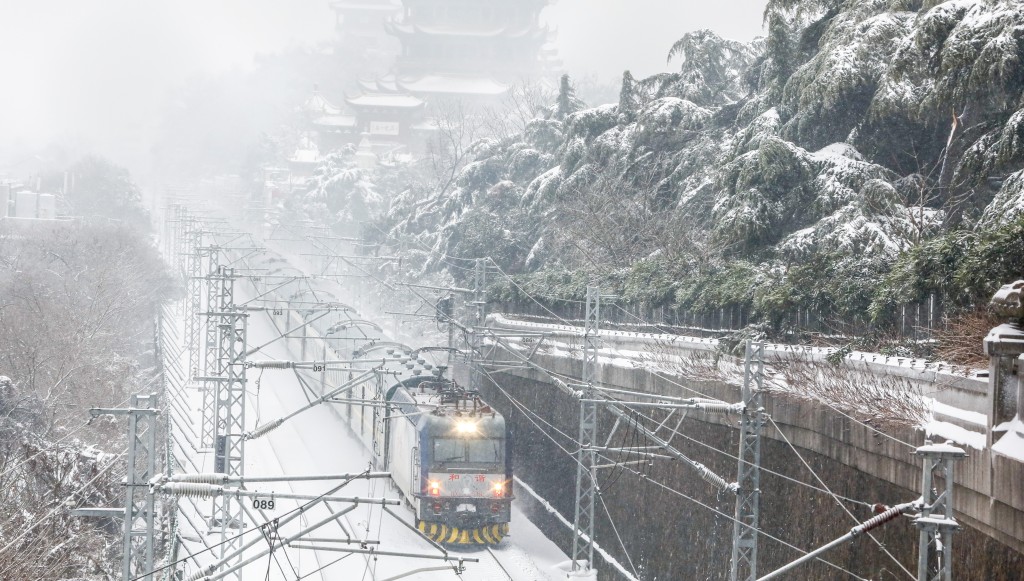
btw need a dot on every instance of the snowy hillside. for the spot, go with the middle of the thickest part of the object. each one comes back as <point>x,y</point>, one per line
<point>791,173</point>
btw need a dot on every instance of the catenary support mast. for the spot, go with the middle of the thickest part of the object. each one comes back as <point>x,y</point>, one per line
<point>743,566</point>
<point>586,457</point>
<point>229,435</point>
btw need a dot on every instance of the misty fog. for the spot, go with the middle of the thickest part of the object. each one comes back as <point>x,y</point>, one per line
<point>103,76</point>
<point>492,220</point>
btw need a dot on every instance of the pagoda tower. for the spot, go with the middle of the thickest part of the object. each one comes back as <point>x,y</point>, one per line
<point>466,48</point>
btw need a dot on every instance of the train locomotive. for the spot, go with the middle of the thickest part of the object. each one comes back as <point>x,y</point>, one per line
<point>450,455</point>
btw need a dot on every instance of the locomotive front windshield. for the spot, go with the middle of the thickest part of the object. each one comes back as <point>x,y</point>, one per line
<point>478,451</point>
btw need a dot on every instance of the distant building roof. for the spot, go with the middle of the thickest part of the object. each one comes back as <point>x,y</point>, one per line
<point>385,84</point>
<point>454,85</point>
<point>386,100</point>
<point>407,28</point>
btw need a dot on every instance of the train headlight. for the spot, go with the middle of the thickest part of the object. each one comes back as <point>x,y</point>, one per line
<point>465,427</point>
<point>498,489</point>
<point>434,487</point>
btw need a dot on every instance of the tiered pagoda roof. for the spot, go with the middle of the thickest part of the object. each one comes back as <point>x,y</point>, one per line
<point>453,85</point>
<point>400,29</point>
<point>385,101</point>
<point>472,48</point>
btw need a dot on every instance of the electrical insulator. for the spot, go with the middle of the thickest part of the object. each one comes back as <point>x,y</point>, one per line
<point>271,364</point>
<point>881,519</point>
<point>192,490</point>
<point>203,478</point>
<point>264,429</point>
<point>718,408</point>
<point>710,477</point>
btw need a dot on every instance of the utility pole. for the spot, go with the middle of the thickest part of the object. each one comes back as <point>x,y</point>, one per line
<point>743,565</point>
<point>139,507</point>
<point>936,522</point>
<point>586,472</point>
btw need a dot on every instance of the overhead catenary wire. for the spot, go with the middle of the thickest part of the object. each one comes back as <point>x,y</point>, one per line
<point>560,318</point>
<point>825,490</point>
<point>822,401</point>
<point>563,321</point>
<point>729,517</point>
<point>763,469</point>
<point>301,508</point>
<point>446,259</point>
<point>523,408</point>
<point>841,505</point>
<point>323,567</point>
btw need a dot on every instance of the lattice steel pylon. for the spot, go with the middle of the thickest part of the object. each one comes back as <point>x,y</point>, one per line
<point>139,506</point>
<point>182,217</point>
<point>211,342</point>
<point>194,298</point>
<point>586,472</point>
<point>743,566</point>
<point>170,223</point>
<point>230,429</point>
<point>935,545</point>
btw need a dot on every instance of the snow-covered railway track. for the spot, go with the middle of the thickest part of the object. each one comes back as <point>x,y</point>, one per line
<point>496,570</point>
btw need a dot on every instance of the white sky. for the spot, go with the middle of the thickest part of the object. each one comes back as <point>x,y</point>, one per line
<point>609,36</point>
<point>95,72</point>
